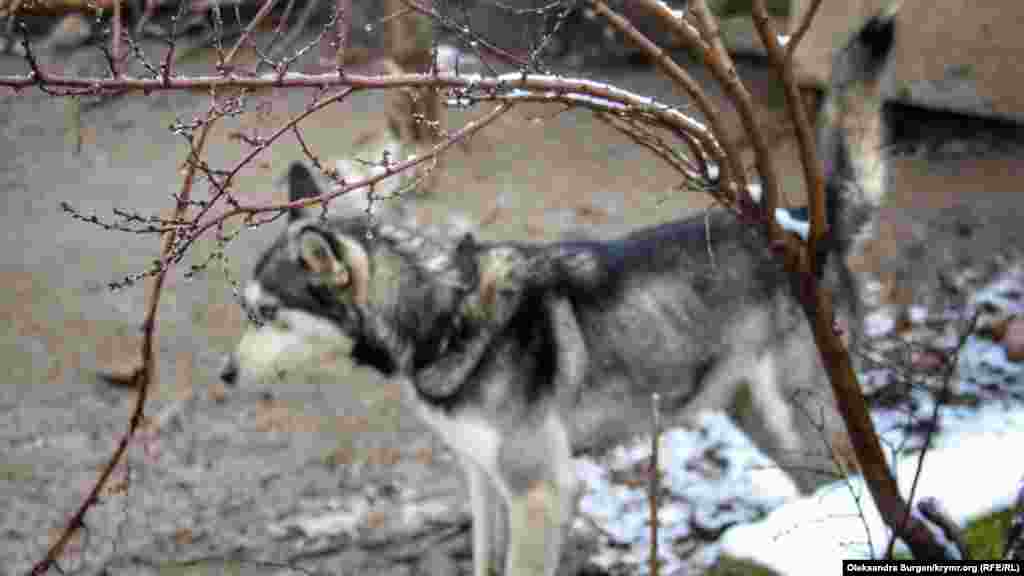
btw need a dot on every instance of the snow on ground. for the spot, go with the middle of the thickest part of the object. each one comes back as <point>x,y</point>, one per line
<point>967,469</point>
<point>700,497</point>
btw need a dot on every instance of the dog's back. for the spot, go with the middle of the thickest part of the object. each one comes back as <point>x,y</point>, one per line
<point>700,311</point>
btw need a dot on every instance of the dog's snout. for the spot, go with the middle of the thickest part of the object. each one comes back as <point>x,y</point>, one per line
<point>229,371</point>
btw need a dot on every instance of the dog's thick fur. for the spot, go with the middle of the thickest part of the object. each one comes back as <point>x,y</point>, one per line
<point>516,354</point>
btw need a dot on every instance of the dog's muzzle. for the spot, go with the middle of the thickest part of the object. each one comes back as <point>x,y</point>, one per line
<point>229,371</point>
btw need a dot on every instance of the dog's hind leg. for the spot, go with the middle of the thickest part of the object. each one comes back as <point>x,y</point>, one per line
<point>771,404</point>
<point>540,498</point>
<point>771,420</point>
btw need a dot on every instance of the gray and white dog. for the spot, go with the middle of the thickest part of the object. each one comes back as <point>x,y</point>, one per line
<point>518,354</point>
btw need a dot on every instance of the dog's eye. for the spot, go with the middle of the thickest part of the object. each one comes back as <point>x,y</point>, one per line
<point>267,312</point>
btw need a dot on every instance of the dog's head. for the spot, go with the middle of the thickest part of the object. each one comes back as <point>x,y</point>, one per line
<point>388,297</point>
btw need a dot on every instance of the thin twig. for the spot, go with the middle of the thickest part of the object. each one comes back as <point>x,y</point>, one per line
<point>725,154</point>
<point>933,427</point>
<point>813,172</point>
<point>934,512</point>
<point>115,40</point>
<point>144,375</point>
<point>643,135</point>
<point>470,37</point>
<point>707,236</point>
<point>714,55</point>
<point>654,481</point>
<point>805,25</point>
<point>262,13</point>
<point>463,133</point>
<point>343,12</point>
<point>724,69</point>
<point>301,22</point>
<point>800,261</point>
<point>142,379</point>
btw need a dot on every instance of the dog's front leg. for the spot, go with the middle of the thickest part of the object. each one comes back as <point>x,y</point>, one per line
<point>482,504</point>
<point>540,501</point>
<point>531,517</point>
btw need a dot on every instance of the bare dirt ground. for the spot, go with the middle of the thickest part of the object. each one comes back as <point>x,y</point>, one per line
<point>213,491</point>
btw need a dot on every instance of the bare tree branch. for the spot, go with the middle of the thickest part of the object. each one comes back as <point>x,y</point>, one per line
<point>801,30</point>
<point>722,149</point>
<point>818,307</point>
<point>343,11</point>
<point>115,41</point>
<point>143,377</point>
<point>931,509</point>
<point>463,133</point>
<point>813,173</point>
<point>260,15</point>
<point>707,41</point>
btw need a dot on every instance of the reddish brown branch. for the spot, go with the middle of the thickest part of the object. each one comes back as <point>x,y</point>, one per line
<point>115,41</point>
<point>801,30</point>
<point>813,174</point>
<point>260,15</point>
<point>144,375</point>
<point>931,508</point>
<point>469,36</point>
<point>142,378</point>
<point>343,11</point>
<point>225,186</point>
<point>460,135</point>
<point>642,135</point>
<point>723,150</point>
<point>818,307</point>
<point>555,86</point>
<point>724,70</point>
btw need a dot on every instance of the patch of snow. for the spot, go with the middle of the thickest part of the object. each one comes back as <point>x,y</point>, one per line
<point>917,314</point>
<point>451,60</point>
<point>879,323</point>
<point>747,483</point>
<point>344,521</point>
<point>1003,293</point>
<point>986,361</point>
<point>756,191</point>
<point>840,521</point>
<point>786,220</point>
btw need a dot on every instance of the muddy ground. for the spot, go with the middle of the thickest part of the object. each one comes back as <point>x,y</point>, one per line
<point>212,491</point>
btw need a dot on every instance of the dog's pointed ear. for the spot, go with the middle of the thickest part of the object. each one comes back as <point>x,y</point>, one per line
<point>339,265</point>
<point>301,185</point>
<point>466,259</point>
<point>318,257</point>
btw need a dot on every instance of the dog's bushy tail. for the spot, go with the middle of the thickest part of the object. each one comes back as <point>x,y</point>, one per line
<point>851,139</point>
<point>852,131</point>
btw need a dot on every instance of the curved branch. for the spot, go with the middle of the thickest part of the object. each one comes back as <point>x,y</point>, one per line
<point>819,310</point>
<point>723,149</point>
<point>813,173</point>
<point>141,379</point>
<point>463,133</point>
<point>605,96</point>
<point>708,42</point>
<point>801,30</point>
